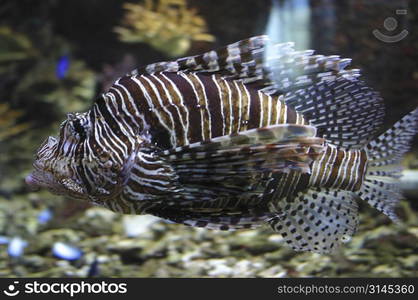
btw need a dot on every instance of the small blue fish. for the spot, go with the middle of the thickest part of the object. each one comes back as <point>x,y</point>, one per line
<point>16,247</point>
<point>65,251</point>
<point>63,65</point>
<point>44,216</point>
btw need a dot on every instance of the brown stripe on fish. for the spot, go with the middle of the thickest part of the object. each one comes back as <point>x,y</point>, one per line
<point>126,106</point>
<point>129,106</point>
<point>150,113</point>
<point>196,121</point>
<point>176,98</point>
<point>283,111</point>
<point>222,89</point>
<point>264,109</point>
<point>236,99</point>
<point>153,96</point>
<point>361,170</point>
<point>303,182</point>
<point>189,105</point>
<point>172,109</point>
<point>119,133</point>
<point>231,107</point>
<point>335,170</point>
<point>137,100</point>
<point>245,105</point>
<point>291,116</point>
<point>321,168</point>
<point>343,175</point>
<point>202,106</point>
<point>351,171</point>
<point>339,169</point>
<point>255,111</point>
<point>104,133</point>
<point>214,104</point>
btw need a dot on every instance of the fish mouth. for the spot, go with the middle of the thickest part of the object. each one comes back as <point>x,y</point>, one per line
<point>39,178</point>
<point>31,181</point>
<point>44,179</point>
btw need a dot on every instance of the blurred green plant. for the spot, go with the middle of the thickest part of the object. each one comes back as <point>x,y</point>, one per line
<point>167,25</point>
<point>72,93</point>
<point>8,122</point>
<point>13,47</point>
<point>29,69</point>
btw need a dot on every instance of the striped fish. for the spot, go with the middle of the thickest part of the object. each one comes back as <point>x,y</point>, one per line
<point>234,139</point>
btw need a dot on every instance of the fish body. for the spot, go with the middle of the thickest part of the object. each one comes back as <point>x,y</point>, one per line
<point>233,139</point>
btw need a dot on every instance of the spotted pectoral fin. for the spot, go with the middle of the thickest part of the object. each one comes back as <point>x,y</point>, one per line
<point>277,148</point>
<point>316,220</point>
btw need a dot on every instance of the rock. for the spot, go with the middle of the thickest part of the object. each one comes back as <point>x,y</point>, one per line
<point>409,262</point>
<point>274,272</point>
<point>66,251</point>
<point>135,226</point>
<point>16,247</point>
<point>219,268</point>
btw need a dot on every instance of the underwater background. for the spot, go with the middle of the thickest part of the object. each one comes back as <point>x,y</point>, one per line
<point>56,56</point>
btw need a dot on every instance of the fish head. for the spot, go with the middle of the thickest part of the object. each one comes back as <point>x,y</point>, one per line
<point>58,159</point>
<point>79,163</point>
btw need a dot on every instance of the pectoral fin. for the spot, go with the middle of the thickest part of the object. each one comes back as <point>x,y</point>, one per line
<point>236,158</point>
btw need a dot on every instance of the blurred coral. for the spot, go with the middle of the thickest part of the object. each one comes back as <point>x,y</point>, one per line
<point>167,25</point>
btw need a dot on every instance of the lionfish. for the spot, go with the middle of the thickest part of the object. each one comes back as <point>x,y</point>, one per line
<point>235,138</point>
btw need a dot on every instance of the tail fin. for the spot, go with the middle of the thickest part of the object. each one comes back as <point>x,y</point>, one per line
<point>380,188</point>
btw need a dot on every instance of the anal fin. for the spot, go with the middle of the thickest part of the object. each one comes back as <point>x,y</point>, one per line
<point>316,220</point>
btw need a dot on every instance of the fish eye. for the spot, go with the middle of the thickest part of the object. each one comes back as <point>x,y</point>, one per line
<point>77,125</point>
<point>78,128</point>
